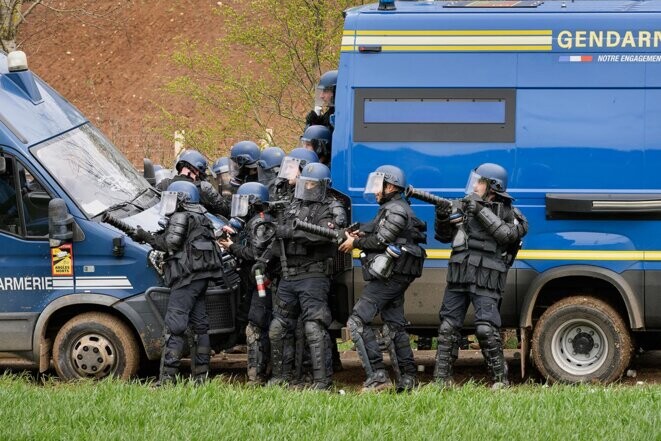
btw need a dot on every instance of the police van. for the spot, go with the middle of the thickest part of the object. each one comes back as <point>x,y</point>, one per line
<point>566,95</point>
<point>73,288</point>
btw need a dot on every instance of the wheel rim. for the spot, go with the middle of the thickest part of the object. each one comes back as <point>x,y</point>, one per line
<point>93,355</point>
<point>579,347</point>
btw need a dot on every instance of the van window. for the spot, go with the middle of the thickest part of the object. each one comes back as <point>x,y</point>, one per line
<point>9,210</point>
<point>23,202</point>
<point>434,115</point>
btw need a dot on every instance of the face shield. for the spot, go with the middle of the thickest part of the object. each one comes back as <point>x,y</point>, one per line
<point>324,97</point>
<point>168,203</point>
<point>267,176</point>
<point>472,185</point>
<point>290,168</point>
<point>223,177</point>
<point>373,186</point>
<point>240,205</point>
<point>309,189</point>
<point>308,144</point>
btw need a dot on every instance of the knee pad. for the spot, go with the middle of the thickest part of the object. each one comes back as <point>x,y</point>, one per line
<point>356,326</point>
<point>485,331</point>
<point>253,333</point>
<point>447,328</point>
<point>314,331</point>
<point>278,329</point>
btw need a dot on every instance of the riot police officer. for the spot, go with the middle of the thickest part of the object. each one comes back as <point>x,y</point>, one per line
<point>221,168</point>
<point>305,282</point>
<point>290,169</point>
<point>268,167</point>
<point>250,203</point>
<point>243,162</point>
<point>318,139</point>
<point>191,167</point>
<point>192,259</point>
<point>324,99</point>
<point>484,246</point>
<point>391,259</point>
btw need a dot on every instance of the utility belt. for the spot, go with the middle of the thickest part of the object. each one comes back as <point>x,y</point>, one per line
<point>297,267</point>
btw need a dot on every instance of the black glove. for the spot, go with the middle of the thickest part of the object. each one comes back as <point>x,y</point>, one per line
<point>284,232</point>
<point>141,235</point>
<point>443,212</point>
<point>473,205</point>
<point>312,119</point>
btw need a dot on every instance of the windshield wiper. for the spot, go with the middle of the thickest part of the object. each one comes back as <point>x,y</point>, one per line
<point>125,203</point>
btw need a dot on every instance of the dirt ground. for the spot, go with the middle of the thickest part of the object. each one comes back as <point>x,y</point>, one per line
<point>645,368</point>
<point>111,61</point>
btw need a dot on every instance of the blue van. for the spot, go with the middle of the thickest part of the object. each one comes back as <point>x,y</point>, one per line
<point>73,288</point>
<point>566,95</point>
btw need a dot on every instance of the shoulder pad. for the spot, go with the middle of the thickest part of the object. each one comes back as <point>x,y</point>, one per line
<point>395,207</point>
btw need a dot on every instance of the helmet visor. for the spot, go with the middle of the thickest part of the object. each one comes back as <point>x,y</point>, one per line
<point>309,189</point>
<point>324,97</point>
<point>290,168</point>
<point>243,161</point>
<point>240,205</point>
<point>473,180</point>
<point>267,176</point>
<point>373,186</point>
<point>168,203</point>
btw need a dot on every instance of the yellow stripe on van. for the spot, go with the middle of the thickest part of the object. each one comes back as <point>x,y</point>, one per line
<point>454,32</point>
<point>431,48</point>
<point>595,255</point>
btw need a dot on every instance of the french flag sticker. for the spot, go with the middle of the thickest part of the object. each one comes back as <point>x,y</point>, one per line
<point>575,58</point>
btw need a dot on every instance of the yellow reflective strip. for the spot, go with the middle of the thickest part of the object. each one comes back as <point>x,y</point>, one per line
<point>348,33</point>
<point>560,255</point>
<point>347,48</point>
<point>456,32</point>
<point>432,48</point>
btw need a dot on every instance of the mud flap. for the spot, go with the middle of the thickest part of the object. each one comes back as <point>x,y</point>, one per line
<point>525,350</point>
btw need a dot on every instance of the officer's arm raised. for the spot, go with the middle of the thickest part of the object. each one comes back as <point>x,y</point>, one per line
<point>504,232</point>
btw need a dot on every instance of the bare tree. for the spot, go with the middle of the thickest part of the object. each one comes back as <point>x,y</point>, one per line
<point>257,82</point>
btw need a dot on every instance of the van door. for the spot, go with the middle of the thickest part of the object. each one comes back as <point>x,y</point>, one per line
<point>31,274</point>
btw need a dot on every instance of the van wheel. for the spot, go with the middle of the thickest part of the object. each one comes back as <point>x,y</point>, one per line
<point>95,345</point>
<point>581,339</point>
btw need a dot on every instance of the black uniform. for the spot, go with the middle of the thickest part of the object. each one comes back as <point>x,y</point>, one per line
<point>395,223</point>
<point>258,234</point>
<point>303,291</point>
<point>483,249</point>
<point>192,258</point>
<point>312,119</point>
<point>213,201</point>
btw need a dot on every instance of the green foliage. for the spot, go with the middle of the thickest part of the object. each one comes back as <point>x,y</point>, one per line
<point>258,81</point>
<point>223,410</point>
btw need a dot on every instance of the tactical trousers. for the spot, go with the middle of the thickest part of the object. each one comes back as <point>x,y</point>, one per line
<point>456,301</point>
<point>385,298</point>
<point>186,307</point>
<point>309,298</point>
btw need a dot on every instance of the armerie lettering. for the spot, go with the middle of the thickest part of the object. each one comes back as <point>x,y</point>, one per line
<point>27,283</point>
<point>608,39</point>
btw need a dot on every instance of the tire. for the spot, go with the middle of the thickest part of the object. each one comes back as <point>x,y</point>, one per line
<point>95,345</point>
<point>581,339</point>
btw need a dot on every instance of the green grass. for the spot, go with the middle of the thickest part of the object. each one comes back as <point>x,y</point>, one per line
<point>226,410</point>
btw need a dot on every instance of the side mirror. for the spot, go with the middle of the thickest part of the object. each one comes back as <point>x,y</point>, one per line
<point>60,223</point>
<point>148,171</point>
<point>3,165</point>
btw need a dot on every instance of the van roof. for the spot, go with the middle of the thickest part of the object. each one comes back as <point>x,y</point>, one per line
<point>30,110</point>
<point>513,7</point>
